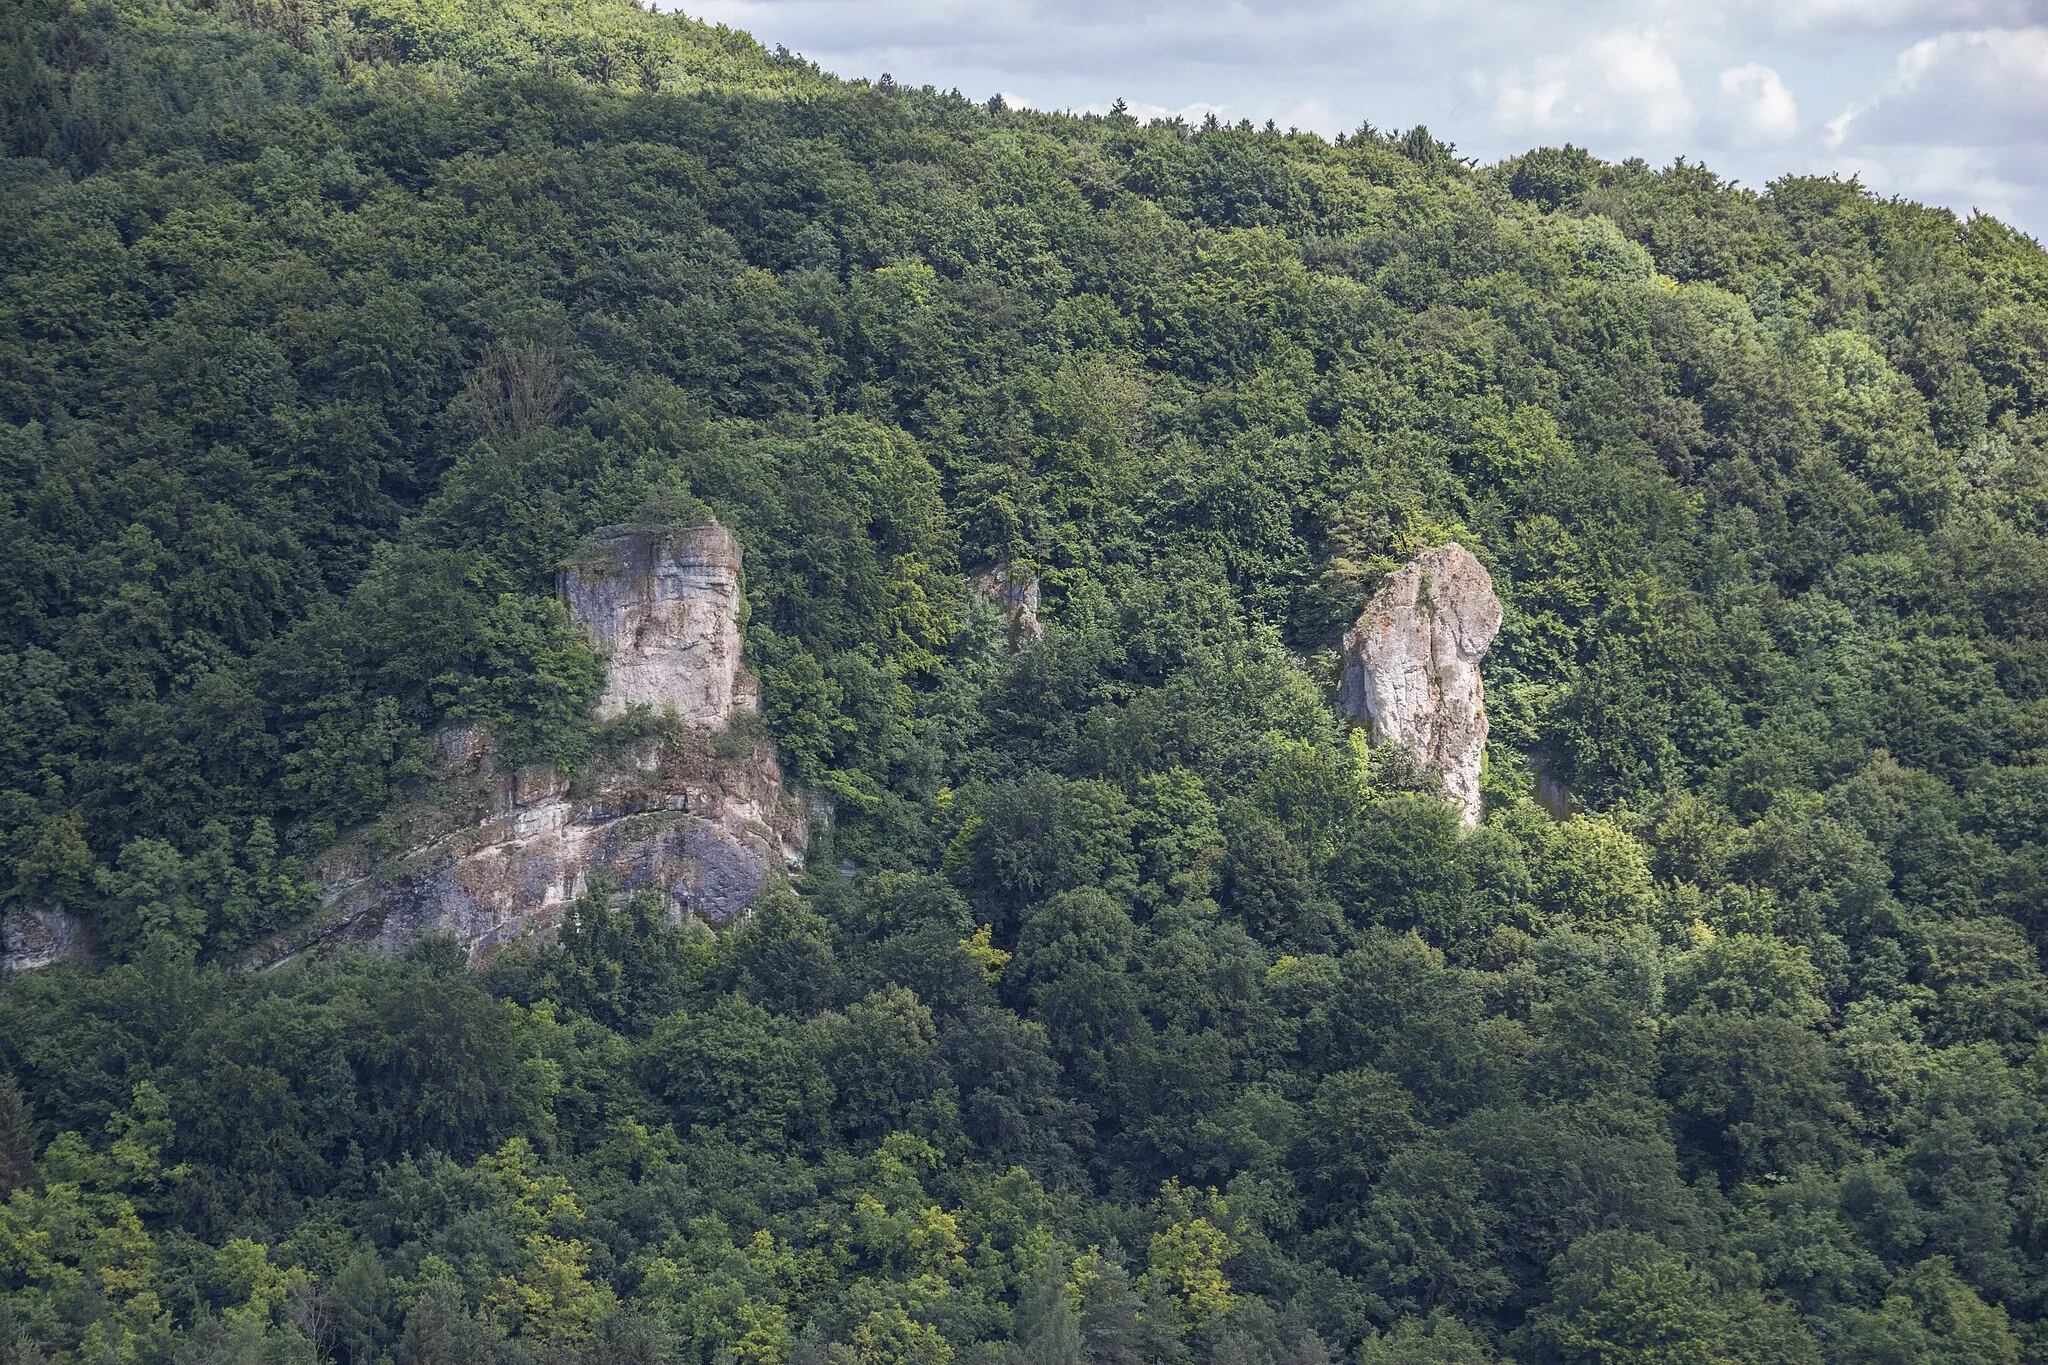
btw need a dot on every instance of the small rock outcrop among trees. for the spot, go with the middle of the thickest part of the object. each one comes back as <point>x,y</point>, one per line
<point>489,853</point>
<point>1411,666</point>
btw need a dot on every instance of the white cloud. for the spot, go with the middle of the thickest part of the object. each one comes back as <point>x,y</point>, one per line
<point>1966,177</point>
<point>1623,81</point>
<point>1839,19</point>
<point>1756,107</point>
<point>1935,98</point>
<point>1957,120</point>
<point>1188,113</point>
<point>1993,82</point>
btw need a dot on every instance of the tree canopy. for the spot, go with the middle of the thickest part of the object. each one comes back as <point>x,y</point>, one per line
<point>1133,1009</point>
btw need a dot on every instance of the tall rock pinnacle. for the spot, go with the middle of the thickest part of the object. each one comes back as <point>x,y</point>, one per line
<point>664,608</point>
<point>1411,666</point>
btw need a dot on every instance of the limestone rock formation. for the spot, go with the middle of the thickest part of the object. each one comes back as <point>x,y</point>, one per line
<point>34,936</point>
<point>1014,590</point>
<point>490,856</point>
<point>663,606</point>
<point>698,814</point>
<point>1411,666</point>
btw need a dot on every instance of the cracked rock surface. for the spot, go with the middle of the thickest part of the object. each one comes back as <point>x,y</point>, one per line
<point>1411,666</point>
<point>698,815</point>
<point>664,608</point>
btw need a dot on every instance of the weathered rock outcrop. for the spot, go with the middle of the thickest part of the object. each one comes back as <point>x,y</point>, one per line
<point>489,856</point>
<point>663,607</point>
<point>1014,590</point>
<point>1411,666</point>
<point>34,936</point>
<point>698,814</point>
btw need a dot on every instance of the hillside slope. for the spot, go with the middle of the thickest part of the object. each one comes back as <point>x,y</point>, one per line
<point>1133,1011</point>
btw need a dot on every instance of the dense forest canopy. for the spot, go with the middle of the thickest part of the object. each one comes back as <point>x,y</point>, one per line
<point>1131,1009</point>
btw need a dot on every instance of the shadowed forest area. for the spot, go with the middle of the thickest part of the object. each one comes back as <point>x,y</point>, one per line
<point>1131,1009</point>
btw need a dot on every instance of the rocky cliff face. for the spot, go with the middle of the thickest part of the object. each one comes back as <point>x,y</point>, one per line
<point>663,606</point>
<point>34,936</point>
<point>1411,666</point>
<point>698,815</point>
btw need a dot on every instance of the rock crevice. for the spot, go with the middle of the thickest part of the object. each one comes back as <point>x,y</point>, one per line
<point>1411,666</point>
<point>1013,589</point>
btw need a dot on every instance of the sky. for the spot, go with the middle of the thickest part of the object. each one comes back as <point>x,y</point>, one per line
<point>1944,101</point>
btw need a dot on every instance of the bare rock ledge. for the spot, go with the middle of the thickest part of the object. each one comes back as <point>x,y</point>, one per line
<point>33,936</point>
<point>699,815</point>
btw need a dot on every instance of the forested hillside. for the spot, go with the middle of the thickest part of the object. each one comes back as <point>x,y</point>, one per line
<point>1131,1010</point>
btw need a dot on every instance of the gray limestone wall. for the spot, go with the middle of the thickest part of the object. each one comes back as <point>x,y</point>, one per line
<point>663,606</point>
<point>1411,666</point>
<point>693,814</point>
